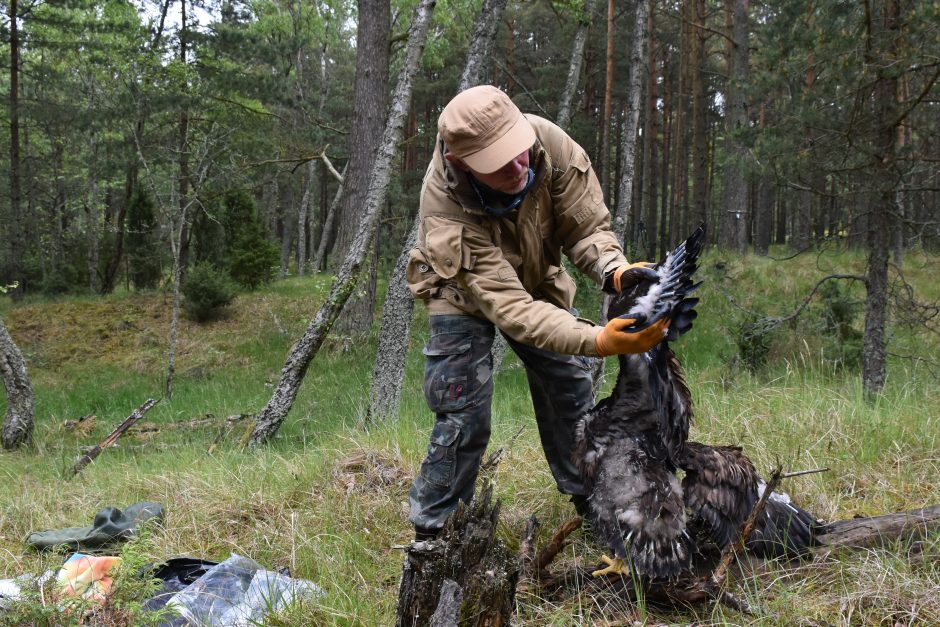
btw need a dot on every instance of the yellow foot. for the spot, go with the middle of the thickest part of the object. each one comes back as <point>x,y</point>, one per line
<point>615,566</point>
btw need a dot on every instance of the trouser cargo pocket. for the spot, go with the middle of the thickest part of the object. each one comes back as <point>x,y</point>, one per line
<point>438,467</point>
<point>447,372</point>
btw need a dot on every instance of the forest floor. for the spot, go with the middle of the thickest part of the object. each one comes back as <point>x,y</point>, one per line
<point>328,498</point>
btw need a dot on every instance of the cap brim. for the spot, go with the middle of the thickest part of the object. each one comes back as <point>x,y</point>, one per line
<point>514,142</point>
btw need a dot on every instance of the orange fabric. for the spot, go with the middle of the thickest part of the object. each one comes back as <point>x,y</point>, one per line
<point>87,577</point>
<point>613,340</point>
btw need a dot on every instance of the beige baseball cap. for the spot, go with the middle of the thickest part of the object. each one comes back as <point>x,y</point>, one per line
<point>483,127</point>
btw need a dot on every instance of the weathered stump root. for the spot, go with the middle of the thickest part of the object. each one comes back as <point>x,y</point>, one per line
<point>464,576</point>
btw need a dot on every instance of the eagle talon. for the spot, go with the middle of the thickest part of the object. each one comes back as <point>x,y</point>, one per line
<point>615,566</point>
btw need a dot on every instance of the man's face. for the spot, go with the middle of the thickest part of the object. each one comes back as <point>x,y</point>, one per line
<point>509,179</point>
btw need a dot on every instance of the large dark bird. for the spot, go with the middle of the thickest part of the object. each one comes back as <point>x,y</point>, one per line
<point>631,445</point>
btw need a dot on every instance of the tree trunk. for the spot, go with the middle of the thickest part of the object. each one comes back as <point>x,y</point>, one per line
<point>329,224</point>
<point>16,232</point>
<point>370,107</point>
<point>481,44</point>
<point>651,146</point>
<point>699,105</point>
<point>389,371</point>
<point>286,214</point>
<point>18,422</point>
<point>563,119</point>
<point>631,121</point>
<point>736,202</point>
<point>270,418</point>
<point>92,225</point>
<point>183,253</point>
<point>764,205</point>
<point>303,217</point>
<point>606,120</point>
<point>881,223</point>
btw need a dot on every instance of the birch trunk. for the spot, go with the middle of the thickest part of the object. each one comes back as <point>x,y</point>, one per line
<point>18,422</point>
<point>389,371</point>
<point>608,106</point>
<point>270,418</point>
<point>631,120</point>
<point>329,226</point>
<point>574,67</point>
<point>628,149</point>
<point>302,218</point>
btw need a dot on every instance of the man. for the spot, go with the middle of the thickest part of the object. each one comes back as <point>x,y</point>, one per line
<point>504,196</point>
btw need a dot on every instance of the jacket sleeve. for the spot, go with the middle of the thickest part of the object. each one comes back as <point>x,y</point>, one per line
<point>465,252</point>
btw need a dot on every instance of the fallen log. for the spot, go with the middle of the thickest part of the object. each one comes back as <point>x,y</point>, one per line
<point>865,532</point>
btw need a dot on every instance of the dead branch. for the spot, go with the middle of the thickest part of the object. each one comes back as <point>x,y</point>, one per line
<point>557,543</point>
<point>136,415</point>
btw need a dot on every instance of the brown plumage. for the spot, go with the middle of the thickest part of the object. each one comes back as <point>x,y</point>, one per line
<point>631,444</point>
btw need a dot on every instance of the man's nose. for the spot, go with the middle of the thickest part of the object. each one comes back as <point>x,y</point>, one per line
<point>514,167</point>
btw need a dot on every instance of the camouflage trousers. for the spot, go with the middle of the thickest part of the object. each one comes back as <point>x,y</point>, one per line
<point>458,386</point>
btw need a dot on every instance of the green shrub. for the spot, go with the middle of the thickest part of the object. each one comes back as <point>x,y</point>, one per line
<point>250,258</point>
<point>206,291</point>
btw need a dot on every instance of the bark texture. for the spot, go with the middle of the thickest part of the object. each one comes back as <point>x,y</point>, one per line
<point>395,332</point>
<point>574,67</point>
<point>302,353</point>
<point>631,122</point>
<point>369,111</point>
<point>18,422</point>
<point>736,193</point>
<point>464,577</point>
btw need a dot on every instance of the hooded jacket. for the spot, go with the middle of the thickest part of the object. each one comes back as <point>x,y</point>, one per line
<point>508,269</point>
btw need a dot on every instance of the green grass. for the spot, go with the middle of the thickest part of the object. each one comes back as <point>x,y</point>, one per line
<point>328,497</point>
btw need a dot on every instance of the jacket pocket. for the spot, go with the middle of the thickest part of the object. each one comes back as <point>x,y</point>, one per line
<point>447,372</point>
<point>439,467</point>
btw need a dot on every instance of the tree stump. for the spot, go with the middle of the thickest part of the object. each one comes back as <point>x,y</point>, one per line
<point>465,576</point>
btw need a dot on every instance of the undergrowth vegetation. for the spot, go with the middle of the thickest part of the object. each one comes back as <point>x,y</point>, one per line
<point>328,498</point>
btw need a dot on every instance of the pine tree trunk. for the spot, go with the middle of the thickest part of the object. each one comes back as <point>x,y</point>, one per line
<point>736,202</point>
<point>369,115</point>
<point>389,371</point>
<point>16,232</point>
<point>563,119</point>
<point>881,223</point>
<point>651,146</point>
<point>18,422</point>
<point>305,349</point>
<point>286,215</point>
<point>699,104</point>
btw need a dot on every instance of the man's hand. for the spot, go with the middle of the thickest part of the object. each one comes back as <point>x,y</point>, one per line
<point>630,274</point>
<point>614,340</point>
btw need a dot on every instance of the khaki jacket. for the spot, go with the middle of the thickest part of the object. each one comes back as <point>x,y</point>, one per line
<point>509,269</point>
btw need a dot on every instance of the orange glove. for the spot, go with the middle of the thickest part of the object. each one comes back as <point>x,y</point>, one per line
<point>613,340</point>
<point>635,273</point>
